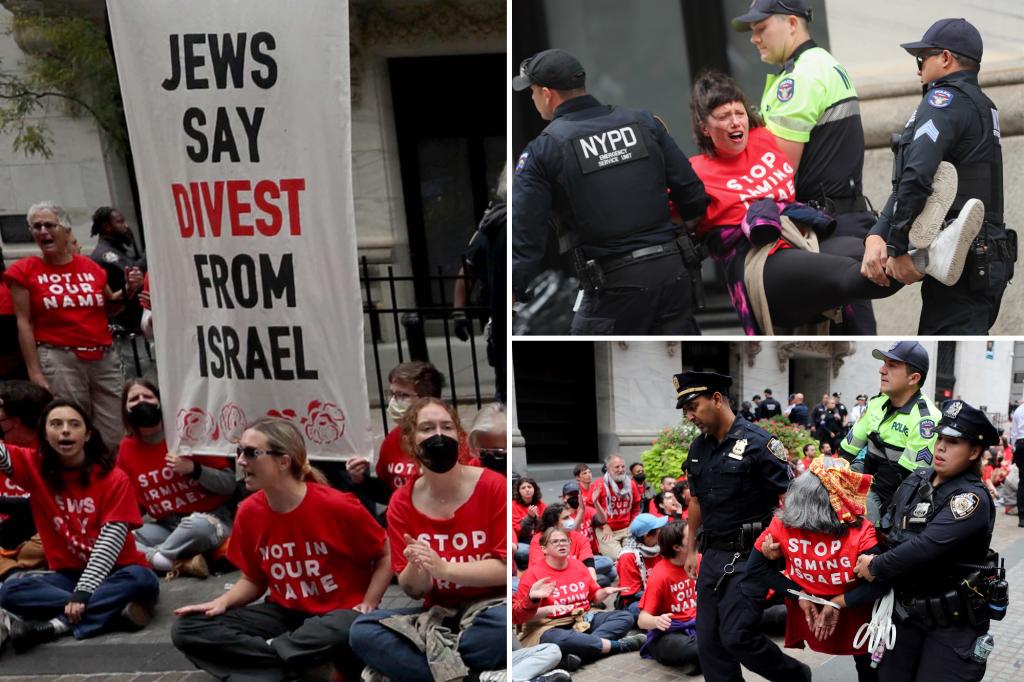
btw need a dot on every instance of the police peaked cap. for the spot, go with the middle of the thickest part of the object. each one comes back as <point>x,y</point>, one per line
<point>555,69</point>
<point>955,35</point>
<point>689,385</point>
<point>960,420</point>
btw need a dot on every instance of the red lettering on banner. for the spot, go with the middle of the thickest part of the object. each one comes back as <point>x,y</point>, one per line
<point>200,207</point>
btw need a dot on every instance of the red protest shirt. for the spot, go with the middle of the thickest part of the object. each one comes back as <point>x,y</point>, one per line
<point>396,467</point>
<point>587,493</point>
<point>69,521</point>
<point>158,489</point>
<point>6,303</point>
<point>67,302</point>
<point>520,512</point>
<point>732,183</point>
<point>622,510</point>
<point>574,589</point>
<point>630,579</point>
<point>317,558</point>
<point>587,528</point>
<point>579,548</point>
<point>476,531</point>
<point>671,590</point>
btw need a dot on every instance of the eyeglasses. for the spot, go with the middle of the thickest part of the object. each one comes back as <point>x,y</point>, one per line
<point>36,227</point>
<point>250,453</point>
<point>922,58</point>
<point>399,395</point>
<point>558,542</point>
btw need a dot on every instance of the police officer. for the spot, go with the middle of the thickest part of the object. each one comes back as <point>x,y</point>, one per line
<point>736,472</point>
<point>111,253</point>
<point>812,109</point>
<point>939,527</point>
<point>602,172</point>
<point>898,425</point>
<point>769,407</point>
<point>954,122</point>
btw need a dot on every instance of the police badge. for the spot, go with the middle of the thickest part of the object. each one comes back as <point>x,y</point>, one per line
<point>738,449</point>
<point>776,447</point>
<point>953,409</point>
<point>963,505</point>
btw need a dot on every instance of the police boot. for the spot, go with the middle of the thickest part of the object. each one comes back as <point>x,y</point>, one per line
<point>944,260</point>
<point>926,226</point>
<point>26,634</point>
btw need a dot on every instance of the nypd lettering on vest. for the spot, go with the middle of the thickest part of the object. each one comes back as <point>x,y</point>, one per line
<point>609,148</point>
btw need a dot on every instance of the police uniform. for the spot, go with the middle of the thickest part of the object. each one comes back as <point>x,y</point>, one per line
<point>600,173</point>
<point>737,483</point>
<point>958,123</point>
<point>938,539</point>
<point>898,439</point>
<point>769,407</point>
<point>114,259</point>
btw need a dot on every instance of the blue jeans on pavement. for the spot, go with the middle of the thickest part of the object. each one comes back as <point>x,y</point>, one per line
<point>610,625</point>
<point>43,596</point>
<point>481,645</point>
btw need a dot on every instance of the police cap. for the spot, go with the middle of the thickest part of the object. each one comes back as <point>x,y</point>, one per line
<point>910,352</point>
<point>762,9</point>
<point>689,385</point>
<point>555,69</point>
<point>955,35</point>
<point>960,420</point>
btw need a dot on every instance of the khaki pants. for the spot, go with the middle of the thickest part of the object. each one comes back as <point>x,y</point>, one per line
<point>25,558</point>
<point>612,548</point>
<point>95,385</point>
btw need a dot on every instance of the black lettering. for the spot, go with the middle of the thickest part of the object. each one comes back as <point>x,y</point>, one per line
<point>216,369</point>
<point>300,358</point>
<point>231,348</point>
<point>223,140</point>
<point>201,339</point>
<point>243,275</point>
<point>194,117</point>
<point>260,46</point>
<point>255,358</point>
<point>252,130</point>
<point>194,61</point>
<point>227,56</point>
<point>281,283</point>
<point>174,80</point>
<point>204,282</point>
<point>219,273</point>
<point>279,353</point>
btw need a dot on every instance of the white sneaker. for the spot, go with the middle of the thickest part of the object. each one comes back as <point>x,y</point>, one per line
<point>948,253</point>
<point>929,221</point>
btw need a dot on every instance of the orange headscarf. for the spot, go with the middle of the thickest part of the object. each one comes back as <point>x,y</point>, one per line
<point>847,490</point>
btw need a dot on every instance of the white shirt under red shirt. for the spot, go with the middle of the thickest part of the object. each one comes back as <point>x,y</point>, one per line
<point>317,558</point>
<point>476,531</point>
<point>574,589</point>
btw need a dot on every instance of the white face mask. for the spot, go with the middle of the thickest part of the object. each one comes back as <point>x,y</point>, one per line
<point>569,524</point>
<point>396,408</point>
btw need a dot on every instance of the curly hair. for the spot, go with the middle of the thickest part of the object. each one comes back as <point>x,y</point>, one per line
<point>407,425</point>
<point>128,385</point>
<point>96,451</point>
<point>517,496</point>
<point>712,89</point>
<point>550,517</point>
<point>101,218</point>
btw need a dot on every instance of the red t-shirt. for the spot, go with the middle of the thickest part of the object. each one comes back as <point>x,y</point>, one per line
<point>6,303</point>
<point>69,522</point>
<point>586,494</point>
<point>396,468</point>
<point>67,301</point>
<point>823,565</point>
<point>159,490</point>
<point>630,579</point>
<point>622,510</point>
<point>670,590</point>
<point>986,472</point>
<point>587,529</point>
<point>316,558</point>
<point>579,548</point>
<point>10,489</point>
<point>476,531</point>
<point>574,589</point>
<point>732,183</point>
<point>520,512</point>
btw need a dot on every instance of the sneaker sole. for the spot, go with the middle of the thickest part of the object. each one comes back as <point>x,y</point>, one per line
<point>928,223</point>
<point>972,215</point>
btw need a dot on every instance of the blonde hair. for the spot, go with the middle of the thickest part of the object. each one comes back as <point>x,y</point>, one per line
<point>284,437</point>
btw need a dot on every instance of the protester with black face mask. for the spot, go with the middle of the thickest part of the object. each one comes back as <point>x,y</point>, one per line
<point>112,254</point>
<point>636,470</point>
<point>188,501</point>
<point>449,545</point>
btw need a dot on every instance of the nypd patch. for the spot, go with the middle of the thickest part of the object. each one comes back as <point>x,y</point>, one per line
<point>963,505</point>
<point>784,92</point>
<point>110,257</point>
<point>940,98</point>
<point>927,428</point>
<point>776,447</point>
<point>521,163</point>
<point>924,455</point>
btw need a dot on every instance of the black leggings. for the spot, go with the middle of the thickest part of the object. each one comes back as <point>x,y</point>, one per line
<point>800,285</point>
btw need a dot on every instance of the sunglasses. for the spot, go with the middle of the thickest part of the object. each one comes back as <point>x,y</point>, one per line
<point>922,58</point>
<point>251,453</point>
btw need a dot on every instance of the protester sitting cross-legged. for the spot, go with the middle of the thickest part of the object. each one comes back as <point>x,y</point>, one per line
<point>552,605</point>
<point>527,508</point>
<point>558,515</point>
<point>189,502</point>
<point>778,272</point>
<point>321,555</point>
<point>668,610</point>
<point>640,554</point>
<point>583,523</point>
<point>83,507</point>
<point>820,532</point>
<point>617,500</point>
<point>448,532</point>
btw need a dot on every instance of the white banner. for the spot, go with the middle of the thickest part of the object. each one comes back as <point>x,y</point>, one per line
<point>239,118</point>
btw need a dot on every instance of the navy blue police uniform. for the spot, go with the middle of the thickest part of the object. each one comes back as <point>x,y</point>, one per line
<point>599,174</point>
<point>737,483</point>
<point>958,123</point>
<point>939,564</point>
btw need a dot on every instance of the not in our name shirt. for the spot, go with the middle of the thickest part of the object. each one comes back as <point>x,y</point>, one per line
<point>619,510</point>
<point>671,590</point>
<point>476,531</point>
<point>316,558</point>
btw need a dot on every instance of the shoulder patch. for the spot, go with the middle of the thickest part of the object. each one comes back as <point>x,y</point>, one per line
<point>110,256</point>
<point>940,98</point>
<point>784,92</point>
<point>521,163</point>
<point>927,428</point>
<point>963,505</point>
<point>776,447</point>
<point>924,455</point>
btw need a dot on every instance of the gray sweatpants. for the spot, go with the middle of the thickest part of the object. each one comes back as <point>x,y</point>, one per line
<point>193,534</point>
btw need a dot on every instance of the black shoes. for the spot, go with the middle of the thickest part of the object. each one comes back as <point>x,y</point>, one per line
<point>553,676</point>
<point>570,663</point>
<point>632,642</point>
<point>26,634</point>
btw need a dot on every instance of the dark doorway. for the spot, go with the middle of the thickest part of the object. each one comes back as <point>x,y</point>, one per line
<point>451,148</point>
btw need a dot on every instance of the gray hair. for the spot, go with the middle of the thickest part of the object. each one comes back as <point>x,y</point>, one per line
<point>62,216</point>
<point>610,458</point>
<point>501,189</point>
<point>806,506</point>
<point>490,419</point>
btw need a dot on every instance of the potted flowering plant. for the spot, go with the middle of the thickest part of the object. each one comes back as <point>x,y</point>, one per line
<point>668,451</point>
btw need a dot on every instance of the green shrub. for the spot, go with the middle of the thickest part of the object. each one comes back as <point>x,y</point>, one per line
<point>668,452</point>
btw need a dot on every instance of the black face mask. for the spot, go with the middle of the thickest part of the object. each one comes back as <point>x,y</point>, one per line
<point>640,478</point>
<point>439,453</point>
<point>574,501</point>
<point>495,460</point>
<point>144,415</point>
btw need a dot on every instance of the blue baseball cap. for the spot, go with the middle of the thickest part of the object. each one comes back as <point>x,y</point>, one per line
<point>955,35</point>
<point>762,9</point>
<point>571,488</point>
<point>910,352</point>
<point>645,523</point>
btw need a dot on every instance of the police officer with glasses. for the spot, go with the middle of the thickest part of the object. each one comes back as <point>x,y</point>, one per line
<point>946,580</point>
<point>601,173</point>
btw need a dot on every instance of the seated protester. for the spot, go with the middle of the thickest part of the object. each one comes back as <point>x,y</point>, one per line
<point>583,522</point>
<point>558,515</point>
<point>681,491</point>
<point>668,609</point>
<point>666,504</point>
<point>448,535</point>
<point>83,507</point>
<point>667,483</point>
<point>316,551</point>
<point>552,606</point>
<point>617,501</point>
<point>820,532</point>
<point>527,507</point>
<point>488,438</point>
<point>639,476</point>
<point>585,480</point>
<point>190,503</point>
<point>640,554</point>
